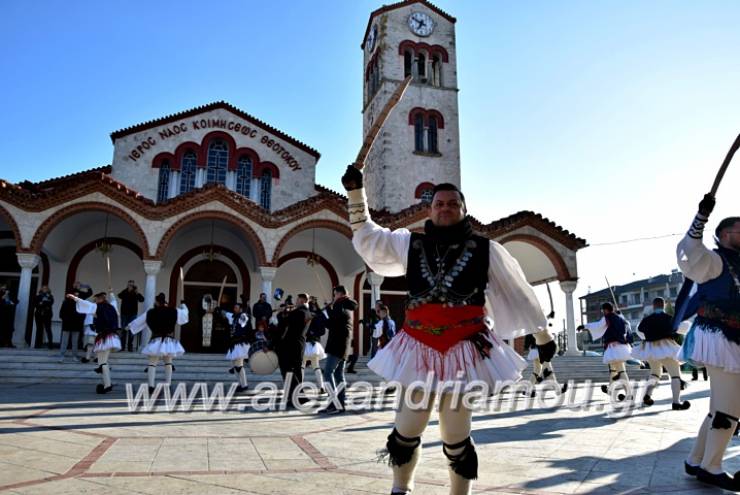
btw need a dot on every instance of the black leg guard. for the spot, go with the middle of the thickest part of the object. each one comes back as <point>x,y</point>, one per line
<point>238,369</point>
<point>547,351</point>
<point>722,421</point>
<point>466,462</point>
<point>546,373</point>
<point>399,454</point>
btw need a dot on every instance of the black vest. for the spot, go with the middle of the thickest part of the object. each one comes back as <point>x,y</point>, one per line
<point>463,267</point>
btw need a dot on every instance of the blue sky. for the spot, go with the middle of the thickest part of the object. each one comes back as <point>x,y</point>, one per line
<point>608,117</point>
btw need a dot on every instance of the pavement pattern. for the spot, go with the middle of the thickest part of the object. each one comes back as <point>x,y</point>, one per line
<point>65,439</point>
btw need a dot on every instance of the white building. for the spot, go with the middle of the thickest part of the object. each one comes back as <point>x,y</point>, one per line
<point>220,194</point>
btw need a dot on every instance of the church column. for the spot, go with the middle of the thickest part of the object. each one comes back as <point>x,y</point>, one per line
<point>28,262</point>
<point>268,275</point>
<point>151,268</point>
<point>200,177</point>
<point>375,282</point>
<point>569,286</point>
<point>231,180</point>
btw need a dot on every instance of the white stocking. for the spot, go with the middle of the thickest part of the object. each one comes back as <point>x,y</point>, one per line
<point>242,373</point>
<point>88,351</point>
<point>725,404</point>
<point>151,371</point>
<point>410,423</point>
<point>674,371</point>
<point>103,362</point>
<point>454,427</point>
<point>168,369</point>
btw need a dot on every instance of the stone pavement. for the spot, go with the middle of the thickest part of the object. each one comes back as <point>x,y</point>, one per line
<point>57,439</point>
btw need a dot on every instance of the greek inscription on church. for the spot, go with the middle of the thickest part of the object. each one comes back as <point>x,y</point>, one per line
<point>227,125</point>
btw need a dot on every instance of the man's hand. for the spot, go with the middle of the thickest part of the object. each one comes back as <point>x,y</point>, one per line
<point>706,205</point>
<point>352,178</point>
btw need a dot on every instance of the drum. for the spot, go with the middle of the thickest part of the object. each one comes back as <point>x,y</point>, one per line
<point>262,360</point>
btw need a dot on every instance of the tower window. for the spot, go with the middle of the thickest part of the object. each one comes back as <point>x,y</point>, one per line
<point>187,172</point>
<point>436,71</point>
<point>408,62</point>
<point>421,67</point>
<point>425,192</point>
<point>163,186</point>
<point>244,176</point>
<point>218,157</point>
<point>266,189</point>
<point>432,135</point>
<point>419,132</point>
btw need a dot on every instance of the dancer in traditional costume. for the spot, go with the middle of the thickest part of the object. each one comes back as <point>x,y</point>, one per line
<point>659,349</point>
<point>106,326</point>
<point>161,320</point>
<point>451,274</point>
<point>714,338</point>
<point>613,329</point>
<point>240,330</point>
<point>315,352</point>
<point>544,350</point>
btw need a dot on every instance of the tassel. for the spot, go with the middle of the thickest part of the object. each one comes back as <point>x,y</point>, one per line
<point>465,463</point>
<point>395,453</point>
<point>722,421</point>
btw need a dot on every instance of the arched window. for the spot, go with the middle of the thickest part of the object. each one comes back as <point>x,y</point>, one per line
<point>266,188</point>
<point>187,172</point>
<point>432,135</point>
<point>218,159</point>
<point>244,176</point>
<point>427,195</point>
<point>419,132</point>
<point>376,78</point>
<point>408,62</point>
<point>421,67</point>
<point>436,71</point>
<point>163,187</point>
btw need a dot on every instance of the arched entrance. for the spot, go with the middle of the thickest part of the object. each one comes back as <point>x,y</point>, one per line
<point>205,276</point>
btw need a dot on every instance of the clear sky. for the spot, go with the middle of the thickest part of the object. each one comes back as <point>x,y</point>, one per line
<point>608,117</point>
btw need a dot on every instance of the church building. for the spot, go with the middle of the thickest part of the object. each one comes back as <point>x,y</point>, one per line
<point>218,195</point>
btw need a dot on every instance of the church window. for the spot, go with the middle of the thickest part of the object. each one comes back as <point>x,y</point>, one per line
<point>244,176</point>
<point>427,195</point>
<point>436,71</point>
<point>419,132</point>
<point>266,188</point>
<point>421,67</point>
<point>187,172</point>
<point>432,135</point>
<point>218,157</point>
<point>163,187</point>
<point>408,62</point>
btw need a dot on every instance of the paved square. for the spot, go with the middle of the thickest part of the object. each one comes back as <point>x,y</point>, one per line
<point>65,439</point>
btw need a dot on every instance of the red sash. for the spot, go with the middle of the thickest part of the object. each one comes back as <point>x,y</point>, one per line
<point>440,327</point>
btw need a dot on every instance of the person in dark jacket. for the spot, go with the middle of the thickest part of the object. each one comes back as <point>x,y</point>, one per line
<point>72,321</point>
<point>262,310</point>
<point>7,317</point>
<point>130,298</point>
<point>338,345</point>
<point>43,303</point>
<point>291,345</point>
<point>659,349</point>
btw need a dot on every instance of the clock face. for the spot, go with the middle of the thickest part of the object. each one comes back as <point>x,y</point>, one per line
<point>421,24</point>
<point>372,38</point>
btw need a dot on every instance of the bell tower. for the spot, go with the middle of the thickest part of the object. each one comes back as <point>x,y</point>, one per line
<point>419,145</point>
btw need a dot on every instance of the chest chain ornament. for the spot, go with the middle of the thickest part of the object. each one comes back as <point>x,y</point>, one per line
<point>441,280</point>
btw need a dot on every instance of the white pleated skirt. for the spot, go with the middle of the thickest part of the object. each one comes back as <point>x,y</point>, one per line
<point>109,343</point>
<point>314,351</point>
<point>705,346</point>
<point>163,346</point>
<point>656,350</point>
<point>533,354</point>
<point>406,360</point>
<point>238,351</point>
<point>617,352</point>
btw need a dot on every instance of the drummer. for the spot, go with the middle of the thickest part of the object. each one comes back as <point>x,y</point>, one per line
<point>262,358</point>
<point>240,334</point>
